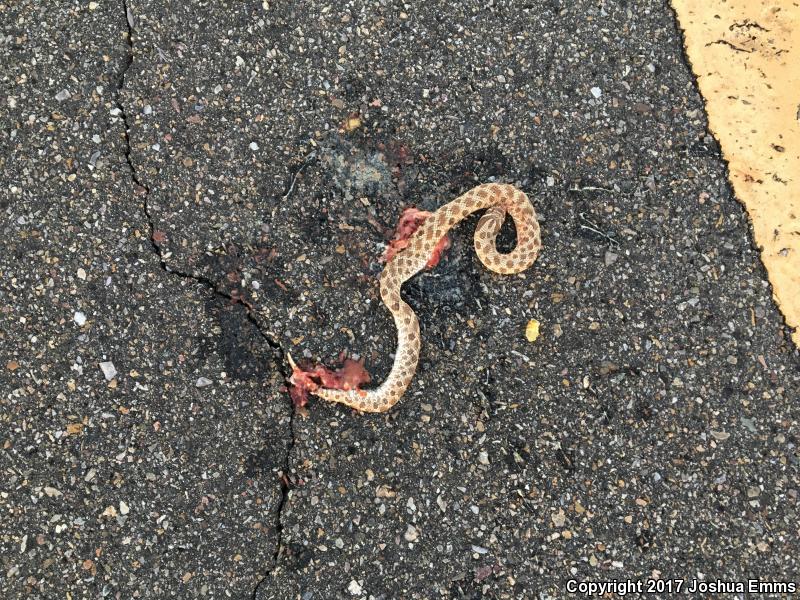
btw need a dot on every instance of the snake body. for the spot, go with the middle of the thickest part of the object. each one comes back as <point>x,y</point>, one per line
<point>499,199</point>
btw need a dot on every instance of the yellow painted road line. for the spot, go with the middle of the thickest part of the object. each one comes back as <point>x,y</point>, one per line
<point>746,57</point>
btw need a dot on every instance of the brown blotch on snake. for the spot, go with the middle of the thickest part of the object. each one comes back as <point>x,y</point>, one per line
<point>500,199</point>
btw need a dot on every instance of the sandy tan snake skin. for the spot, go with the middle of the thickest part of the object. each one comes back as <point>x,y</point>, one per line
<point>499,199</point>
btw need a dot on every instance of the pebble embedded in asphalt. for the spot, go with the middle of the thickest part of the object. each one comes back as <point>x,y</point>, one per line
<point>248,177</point>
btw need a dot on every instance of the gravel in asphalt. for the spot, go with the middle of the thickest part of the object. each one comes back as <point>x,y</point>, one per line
<point>253,161</point>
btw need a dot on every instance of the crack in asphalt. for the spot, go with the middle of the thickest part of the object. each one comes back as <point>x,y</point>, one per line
<point>278,354</point>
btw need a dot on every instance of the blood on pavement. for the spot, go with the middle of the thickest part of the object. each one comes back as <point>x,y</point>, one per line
<point>352,375</point>
<point>408,223</point>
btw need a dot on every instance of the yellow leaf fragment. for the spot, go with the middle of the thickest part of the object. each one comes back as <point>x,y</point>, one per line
<point>532,330</point>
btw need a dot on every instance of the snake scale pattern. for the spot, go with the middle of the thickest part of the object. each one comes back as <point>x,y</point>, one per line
<point>498,200</point>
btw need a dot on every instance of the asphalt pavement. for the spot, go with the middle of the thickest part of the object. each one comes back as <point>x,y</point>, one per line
<point>192,190</point>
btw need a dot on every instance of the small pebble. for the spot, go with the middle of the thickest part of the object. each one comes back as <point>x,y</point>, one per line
<point>79,318</point>
<point>596,92</point>
<point>203,382</point>
<point>750,424</point>
<point>109,370</point>
<point>63,95</point>
<point>411,534</point>
<point>559,518</point>
<point>355,588</point>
